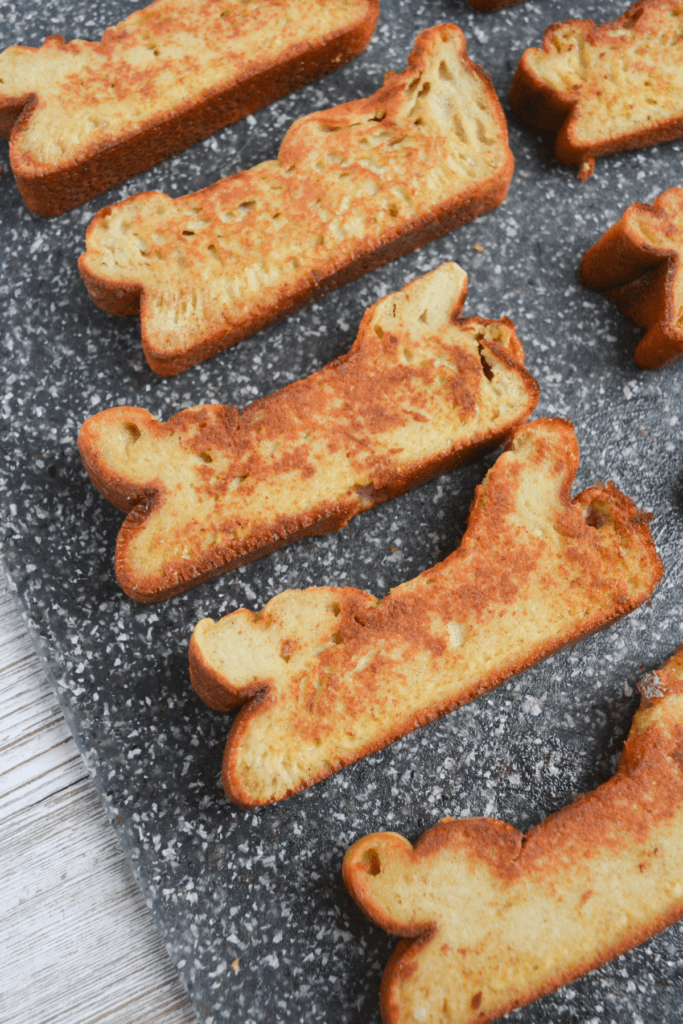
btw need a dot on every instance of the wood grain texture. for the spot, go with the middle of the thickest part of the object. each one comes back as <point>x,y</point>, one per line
<point>77,942</point>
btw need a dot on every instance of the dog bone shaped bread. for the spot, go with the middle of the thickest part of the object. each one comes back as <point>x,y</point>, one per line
<point>637,262</point>
<point>493,919</point>
<point>419,393</point>
<point>83,117</point>
<point>331,674</point>
<point>607,88</point>
<point>353,188</point>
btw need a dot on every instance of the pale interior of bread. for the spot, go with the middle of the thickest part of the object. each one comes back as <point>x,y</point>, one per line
<point>512,916</point>
<point>161,59</point>
<point>626,75</point>
<point>533,572</point>
<point>347,181</point>
<point>416,387</point>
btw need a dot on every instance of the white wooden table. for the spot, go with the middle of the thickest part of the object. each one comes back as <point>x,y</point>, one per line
<point>77,943</point>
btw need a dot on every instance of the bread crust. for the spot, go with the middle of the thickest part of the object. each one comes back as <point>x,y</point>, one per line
<point>50,189</point>
<point>603,873</point>
<point>399,211</point>
<point>637,264</point>
<point>212,490</point>
<point>582,66</point>
<point>340,675</point>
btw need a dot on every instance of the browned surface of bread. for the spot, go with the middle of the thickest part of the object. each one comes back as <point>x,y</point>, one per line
<point>492,5</point>
<point>492,919</point>
<point>419,393</point>
<point>353,187</point>
<point>331,674</point>
<point>605,88</point>
<point>637,263</point>
<point>82,117</point>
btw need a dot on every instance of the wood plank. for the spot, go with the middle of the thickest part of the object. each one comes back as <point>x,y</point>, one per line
<point>80,944</point>
<point>38,756</point>
<point>77,942</point>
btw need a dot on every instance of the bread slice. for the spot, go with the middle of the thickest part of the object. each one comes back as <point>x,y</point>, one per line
<point>637,262</point>
<point>353,188</point>
<point>82,117</point>
<point>607,88</point>
<point>332,674</point>
<point>493,919</point>
<point>419,393</point>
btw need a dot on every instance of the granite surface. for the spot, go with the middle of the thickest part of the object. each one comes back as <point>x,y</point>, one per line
<point>251,904</point>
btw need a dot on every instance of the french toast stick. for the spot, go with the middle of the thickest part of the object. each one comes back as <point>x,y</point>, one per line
<point>637,263</point>
<point>419,392</point>
<point>605,88</point>
<point>492,919</point>
<point>353,187</point>
<point>329,675</point>
<point>82,116</point>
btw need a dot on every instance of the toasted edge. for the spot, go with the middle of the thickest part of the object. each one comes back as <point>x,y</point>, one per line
<point>480,198</point>
<point>543,109</point>
<point>52,193</point>
<point>502,843</point>
<point>207,682</point>
<point>638,277</point>
<point>137,502</point>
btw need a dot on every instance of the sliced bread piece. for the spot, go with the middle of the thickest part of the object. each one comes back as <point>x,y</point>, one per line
<point>353,188</point>
<point>605,88</point>
<point>637,262</point>
<point>419,393</point>
<point>331,674</point>
<point>82,117</point>
<point>492,919</point>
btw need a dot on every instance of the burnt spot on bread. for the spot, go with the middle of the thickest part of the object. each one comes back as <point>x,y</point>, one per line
<point>597,517</point>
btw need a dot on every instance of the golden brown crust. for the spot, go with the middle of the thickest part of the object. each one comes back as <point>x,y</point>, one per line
<point>604,88</point>
<point>590,882</point>
<point>50,187</point>
<point>536,103</point>
<point>343,675</point>
<point>637,263</point>
<point>343,198</point>
<point>419,393</point>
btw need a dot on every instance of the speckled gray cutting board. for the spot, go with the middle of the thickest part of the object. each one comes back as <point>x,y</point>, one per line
<point>265,887</point>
